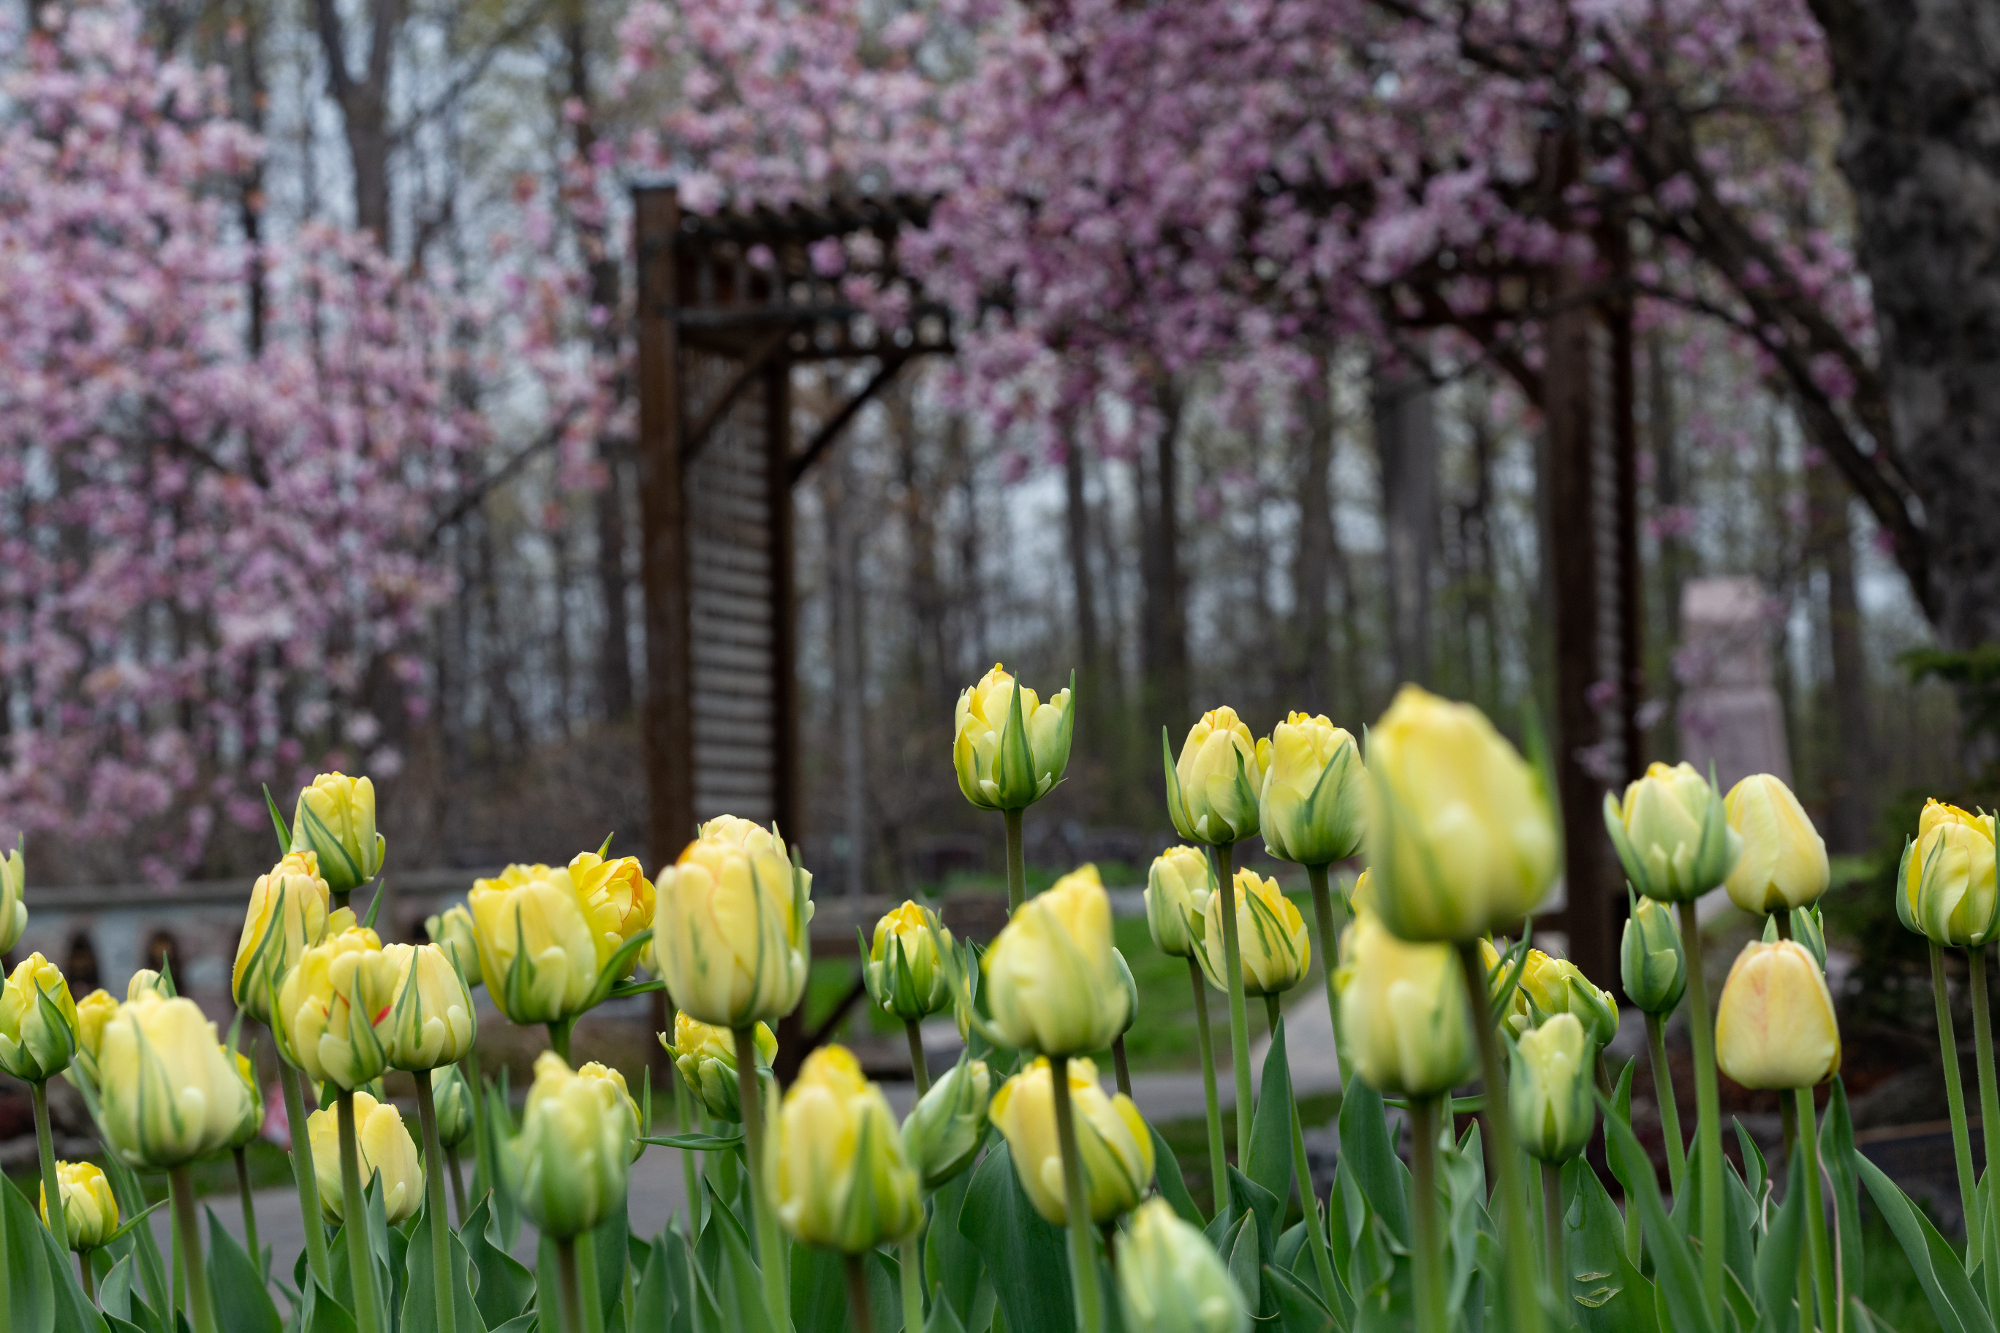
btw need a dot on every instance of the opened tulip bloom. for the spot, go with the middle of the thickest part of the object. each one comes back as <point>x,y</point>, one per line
<point>842,1180</point>
<point>1775,1026</point>
<point>1945,884</point>
<point>1461,838</point>
<point>730,936</point>
<point>1112,1140</point>
<point>569,1164</point>
<point>1550,1092</point>
<point>1212,789</point>
<point>903,972</point>
<point>1651,960</point>
<point>1404,1019</point>
<point>944,1130</point>
<point>90,1211</point>
<point>1177,888</point>
<point>705,1057</point>
<point>37,1021</point>
<point>335,819</point>
<point>1672,833</point>
<point>386,1148</point>
<point>289,906</point>
<point>1784,861</point>
<point>332,1014</point>
<point>1314,799</point>
<point>431,1018</point>
<point>13,887</point>
<point>1009,747</point>
<point>536,947</point>
<point>1551,986</point>
<point>1051,980</point>
<point>168,1091</point>
<point>452,931</point>
<point>1171,1280</point>
<point>1272,936</point>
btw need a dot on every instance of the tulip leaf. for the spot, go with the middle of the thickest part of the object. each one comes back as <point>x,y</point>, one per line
<point>505,1284</point>
<point>1299,1309</point>
<point>1170,1182</point>
<point>1367,1153</point>
<point>953,1266</point>
<point>32,1299</point>
<point>653,1297</point>
<point>1025,1254</point>
<point>1677,1275</point>
<point>419,1307</point>
<point>322,839</point>
<point>1607,1294</point>
<point>1778,1257</point>
<point>321,1313</point>
<point>1837,1150</point>
<point>943,1319</point>
<point>725,1252</point>
<point>1759,1171</point>
<point>1176,799</point>
<point>242,1302</point>
<point>696,1142</point>
<point>615,969</point>
<point>278,823</point>
<point>375,906</point>
<point>612,1254</point>
<point>1270,1163</point>
<point>1957,1306</point>
<point>147,1260</point>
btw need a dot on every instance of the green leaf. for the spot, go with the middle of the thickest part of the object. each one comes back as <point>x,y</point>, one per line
<point>419,1295</point>
<point>242,1301</point>
<point>322,1313</point>
<point>1759,1171</point>
<point>1270,1163</point>
<point>1607,1293</point>
<point>943,1319</point>
<point>1676,1274</point>
<point>653,1297</point>
<point>697,1142</point>
<point>1836,1140</point>
<point>1247,1196</point>
<point>953,1265</point>
<point>1957,1306</point>
<point>609,1248</point>
<point>30,1290</point>
<point>1024,1253</point>
<point>1171,1184</point>
<point>1299,1310</point>
<point>819,1291</point>
<point>505,1284</point>
<point>726,1254</point>
<point>1366,1150</point>
<point>278,823</point>
<point>1778,1258</point>
<point>114,1289</point>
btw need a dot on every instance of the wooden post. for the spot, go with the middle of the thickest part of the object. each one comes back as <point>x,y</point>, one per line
<point>784,613</point>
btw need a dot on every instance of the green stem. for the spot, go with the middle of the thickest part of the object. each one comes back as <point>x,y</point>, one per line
<point>690,1164</point>
<point>1989,1118</point>
<point>1516,1237</point>
<point>441,1274</point>
<point>589,1295</point>
<point>1663,1092</point>
<point>482,1167</point>
<point>1121,1068</point>
<point>910,1263</point>
<point>1708,1114</point>
<point>188,1232</point>
<point>566,1275</point>
<point>1954,1093</point>
<point>354,1221</point>
<point>45,1144</point>
<point>305,1178</point>
<point>248,1201</point>
<point>918,1069</point>
<point>1830,1313</point>
<point>559,1032</point>
<point>1427,1260</point>
<point>1239,1019</point>
<point>87,1275</point>
<point>1082,1241</point>
<point>1308,1197</point>
<point>1218,1165</point>
<point>1017,864</point>
<point>1329,951</point>
<point>1552,1237</point>
<point>770,1256</point>
<point>858,1314</point>
<point>6,1278</point>
<point>457,1186</point>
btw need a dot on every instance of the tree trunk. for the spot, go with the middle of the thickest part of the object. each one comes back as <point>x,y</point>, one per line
<point>1919,87</point>
<point>1663,441</point>
<point>1312,560</point>
<point>1406,437</point>
<point>1164,638</point>
<point>1848,776</point>
<point>850,687</point>
<point>364,105</point>
<point>1076,524</point>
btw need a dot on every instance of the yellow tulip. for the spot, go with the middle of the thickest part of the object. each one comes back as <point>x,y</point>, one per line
<point>1652,961</point>
<point>89,1209</point>
<point>1051,980</point>
<point>1008,760</point>
<point>431,1020</point>
<point>730,939</point>
<point>705,1058</point>
<point>618,899</point>
<point>1945,884</point>
<point>944,1129</point>
<point>1550,1090</point>
<point>288,911</point>
<point>1672,833</point>
<point>541,949</point>
<point>383,1143</point>
<point>1784,859</point>
<point>903,972</point>
<point>451,930</point>
<point>335,818</point>
<point>451,1096</point>
<point>1270,935</point>
<point>1177,889</point>
<point>1171,1280</point>
<point>569,1164</point>
<point>1212,788</point>
<point>1315,792</point>
<point>166,1091</point>
<point>1775,1026</point>
<point>13,889</point>
<point>37,1021</point>
<point>1112,1141</point>
<point>252,1122</point>
<point>93,1011</point>
<point>333,1009</point>
<point>148,982</point>
<point>1461,840</point>
<point>1405,1021</point>
<point>842,1180</point>
<point>1557,986</point>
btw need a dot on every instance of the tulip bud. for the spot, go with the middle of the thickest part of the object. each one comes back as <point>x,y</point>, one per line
<point>166,1091</point>
<point>1270,936</point>
<point>1672,834</point>
<point>1051,981</point>
<point>1945,883</point>
<point>1652,961</point>
<point>1315,793</point>
<point>1549,1090</point>
<point>537,950</point>
<point>1461,840</point>
<point>1784,859</point>
<point>1775,1026</point>
<point>1177,887</point>
<point>89,1209</point>
<point>569,1165</point>
<point>904,974</point>
<point>335,819</point>
<point>93,1011</point>
<point>1171,1280</point>
<point>451,930</point>
<point>384,1145</point>
<point>288,910</point>
<point>842,1180</point>
<point>451,1098</point>
<point>617,899</point>
<point>431,1022</point>
<point>730,936</point>
<point>944,1129</point>
<point>1212,788</point>
<point>705,1058</point>
<point>1009,748</point>
<point>252,1121</point>
<point>1557,986</point>
<point>37,1021</point>
<point>332,1013</point>
<point>1130,986</point>
<point>148,982</point>
<point>1405,1020</point>
<point>1112,1140</point>
<point>13,889</point>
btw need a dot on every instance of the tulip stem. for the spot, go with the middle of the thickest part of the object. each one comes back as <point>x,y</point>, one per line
<point>1076,1203</point>
<point>1516,1236</point>
<point>690,1164</point>
<point>1552,1236</point>
<point>1308,1196</point>
<point>1989,1115</point>
<point>483,1167</point>
<point>589,1295</point>
<point>87,1275</point>
<point>1954,1092</point>
<point>249,1203</point>
<point>1239,1019</point>
<point>572,1298</point>
<point>1218,1167</point>
<point>1017,864</point>
<point>1663,1092</point>
<point>1831,1316</point>
<point>858,1313</point>
<point>6,1278</point>
<point>1329,949</point>
<point>188,1230</point>
<point>304,1176</point>
<point>910,1266</point>
<point>457,1186</point>
<point>354,1220</point>
<point>918,1069</point>
<point>442,1277</point>
<point>769,1254</point>
<point>1426,1261</point>
<point>45,1143</point>
<point>1708,1112</point>
<point>1121,1068</point>
<point>559,1037</point>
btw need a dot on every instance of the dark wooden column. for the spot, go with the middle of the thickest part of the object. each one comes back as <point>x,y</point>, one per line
<point>784,611</point>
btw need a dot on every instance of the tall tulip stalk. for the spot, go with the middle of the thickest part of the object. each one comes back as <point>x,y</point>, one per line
<point>1010,749</point>
<point>1177,887</point>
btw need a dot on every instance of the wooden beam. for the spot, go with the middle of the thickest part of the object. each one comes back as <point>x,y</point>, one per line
<point>809,455</point>
<point>753,366</point>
